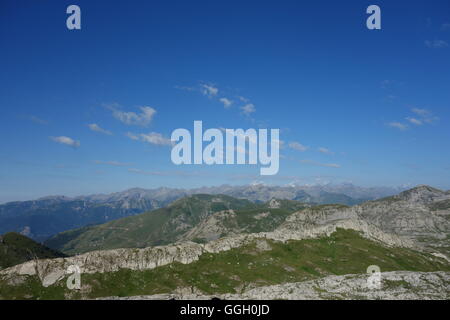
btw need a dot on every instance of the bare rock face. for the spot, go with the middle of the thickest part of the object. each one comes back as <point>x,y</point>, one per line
<point>274,204</point>
<point>422,194</point>
<point>210,228</point>
<point>401,285</point>
<point>50,271</point>
<point>421,214</point>
<point>394,285</point>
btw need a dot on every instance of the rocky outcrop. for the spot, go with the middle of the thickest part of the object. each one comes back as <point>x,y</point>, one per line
<point>396,285</point>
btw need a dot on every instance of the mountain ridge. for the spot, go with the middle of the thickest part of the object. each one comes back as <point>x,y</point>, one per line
<point>16,248</point>
<point>408,215</point>
<point>47,216</point>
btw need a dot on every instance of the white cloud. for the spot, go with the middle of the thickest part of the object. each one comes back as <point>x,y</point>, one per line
<point>67,141</point>
<point>205,89</point>
<point>95,127</point>
<point>226,102</point>
<point>398,125</point>
<point>152,137</point>
<point>248,109</point>
<point>132,136</point>
<point>420,112</point>
<point>425,115</point>
<point>155,138</point>
<point>314,163</point>
<point>131,118</point>
<point>415,121</point>
<point>436,44</point>
<point>113,163</point>
<point>297,146</point>
<point>209,90</point>
<point>324,150</point>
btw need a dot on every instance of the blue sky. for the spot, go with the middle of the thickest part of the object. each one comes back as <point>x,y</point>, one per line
<point>352,104</point>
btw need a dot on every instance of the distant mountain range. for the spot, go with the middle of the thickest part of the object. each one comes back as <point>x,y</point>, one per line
<point>420,214</point>
<point>42,218</point>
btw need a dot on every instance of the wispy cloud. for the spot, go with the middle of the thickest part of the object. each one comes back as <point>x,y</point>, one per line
<point>67,141</point>
<point>186,88</point>
<point>113,163</point>
<point>398,125</point>
<point>297,146</point>
<point>152,138</point>
<point>436,44</point>
<point>243,99</point>
<point>415,121</point>
<point>248,109</point>
<point>132,118</point>
<point>205,89</point>
<point>162,173</point>
<point>420,112</point>
<point>421,116</point>
<point>226,102</point>
<point>209,90</point>
<point>445,26</point>
<point>65,166</point>
<point>315,163</point>
<point>391,84</point>
<point>325,150</point>
<point>425,115</point>
<point>132,136</point>
<point>155,138</point>
<point>95,127</point>
<point>38,120</point>
<point>213,92</point>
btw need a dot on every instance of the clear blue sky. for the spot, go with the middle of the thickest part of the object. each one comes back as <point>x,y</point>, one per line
<point>370,107</point>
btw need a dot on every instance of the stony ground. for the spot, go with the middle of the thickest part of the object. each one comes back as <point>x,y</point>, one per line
<point>396,285</point>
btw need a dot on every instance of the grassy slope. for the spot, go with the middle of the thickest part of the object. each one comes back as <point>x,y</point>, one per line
<point>344,252</point>
<point>16,248</point>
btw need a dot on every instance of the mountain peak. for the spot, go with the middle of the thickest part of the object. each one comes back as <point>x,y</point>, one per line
<point>422,193</point>
<point>55,198</point>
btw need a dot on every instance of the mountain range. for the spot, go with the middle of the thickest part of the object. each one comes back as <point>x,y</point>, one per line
<point>211,245</point>
<point>420,214</point>
<point>42,218</point>
<point>200,218</point>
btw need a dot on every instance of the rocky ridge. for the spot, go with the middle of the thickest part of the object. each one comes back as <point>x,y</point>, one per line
<point>395,285</point>
<point>50,271</point>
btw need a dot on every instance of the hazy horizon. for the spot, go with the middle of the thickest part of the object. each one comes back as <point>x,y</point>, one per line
<point>38,197</point>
